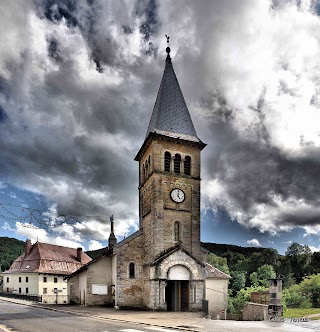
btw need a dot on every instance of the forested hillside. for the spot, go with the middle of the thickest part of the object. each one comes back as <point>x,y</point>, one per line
<point>250,269</point>
<point>10,249</point>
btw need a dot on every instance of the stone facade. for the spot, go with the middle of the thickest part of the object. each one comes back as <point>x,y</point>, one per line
<point>97,273</point>
<point>130,288</point>
<point>160,274</point>
<point>160,266</point>
<point>158,211</point>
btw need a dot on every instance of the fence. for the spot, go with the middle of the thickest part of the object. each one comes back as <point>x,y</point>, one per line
<point>26,297</point>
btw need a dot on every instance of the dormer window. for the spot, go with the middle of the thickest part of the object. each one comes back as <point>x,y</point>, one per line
<point>187,165</point>
<point>177,162</point>
<point>167,161</point>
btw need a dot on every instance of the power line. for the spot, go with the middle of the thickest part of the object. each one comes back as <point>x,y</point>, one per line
<point>29,217</point>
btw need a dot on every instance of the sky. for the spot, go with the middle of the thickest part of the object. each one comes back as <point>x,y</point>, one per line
<point>78,82</point>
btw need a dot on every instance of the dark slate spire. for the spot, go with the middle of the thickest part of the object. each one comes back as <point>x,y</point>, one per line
<point>170,116</point>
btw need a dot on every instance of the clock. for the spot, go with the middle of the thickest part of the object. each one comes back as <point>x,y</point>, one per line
<point>177,195</point>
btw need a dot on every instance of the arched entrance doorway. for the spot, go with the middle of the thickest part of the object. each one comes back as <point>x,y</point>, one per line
<point>177,289</point>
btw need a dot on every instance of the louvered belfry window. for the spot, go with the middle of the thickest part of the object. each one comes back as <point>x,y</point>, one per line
<point>187,165</point>
<point>177,161</point>
<point>167,161</point>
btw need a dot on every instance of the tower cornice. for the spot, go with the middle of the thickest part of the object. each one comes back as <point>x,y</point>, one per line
<point>152,136</point>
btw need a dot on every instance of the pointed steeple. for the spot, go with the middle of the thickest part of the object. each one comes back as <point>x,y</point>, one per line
<point>170,116</point>
<point>112,238</point>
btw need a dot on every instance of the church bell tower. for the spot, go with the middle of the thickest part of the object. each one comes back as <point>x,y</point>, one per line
<point>169,174</point>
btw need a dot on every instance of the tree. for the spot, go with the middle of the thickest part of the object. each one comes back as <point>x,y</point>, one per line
<point>254,279</point>
<point>255,261</point>
<point>304,295</point>
<point>218,262</point>
<point>241,263</point>
<point>315,262</point>
<point>261,276</point>
<point>300,258</point>
<point>236,303</point>
<point>238,281</point>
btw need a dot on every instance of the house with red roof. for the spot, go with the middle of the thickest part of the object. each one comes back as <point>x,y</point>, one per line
<point>41,271</point>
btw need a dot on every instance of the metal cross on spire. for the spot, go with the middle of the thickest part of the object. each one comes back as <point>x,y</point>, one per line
<point>168,49</point>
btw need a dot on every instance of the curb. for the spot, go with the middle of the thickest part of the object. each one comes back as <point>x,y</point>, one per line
<point>97,316</point>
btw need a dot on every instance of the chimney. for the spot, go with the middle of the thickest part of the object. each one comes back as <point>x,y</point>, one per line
<point>112,238</point>
<point>79,254</point>
<point>27,247</point>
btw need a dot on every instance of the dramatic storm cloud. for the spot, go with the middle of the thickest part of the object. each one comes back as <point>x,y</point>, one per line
<point>78,80</point>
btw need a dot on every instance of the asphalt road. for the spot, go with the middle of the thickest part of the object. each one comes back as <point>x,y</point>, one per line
<point>22,318</point>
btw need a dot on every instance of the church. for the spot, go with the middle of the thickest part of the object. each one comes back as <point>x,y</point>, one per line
<point>161,266</point>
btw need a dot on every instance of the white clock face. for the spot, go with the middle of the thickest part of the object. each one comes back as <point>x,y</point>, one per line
<point>177,195</point>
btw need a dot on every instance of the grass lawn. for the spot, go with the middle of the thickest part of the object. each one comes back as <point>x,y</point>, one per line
<point>298,312</point>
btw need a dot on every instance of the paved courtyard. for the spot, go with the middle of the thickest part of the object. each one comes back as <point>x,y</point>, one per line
<point>173,321</point>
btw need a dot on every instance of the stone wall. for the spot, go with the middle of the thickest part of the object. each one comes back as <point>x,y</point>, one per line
<point>260,297</point>
<point>254,311</point>
<point>100,273</point>
<point>130,292</point>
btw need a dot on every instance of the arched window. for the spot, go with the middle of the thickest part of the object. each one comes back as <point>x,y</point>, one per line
<point>132,272</point>
<point>187,165</point>
<point>177,161</point>
<point>177,231</point>
<point>143,174</point>
<point>146,170</point>
<point>167,161</point>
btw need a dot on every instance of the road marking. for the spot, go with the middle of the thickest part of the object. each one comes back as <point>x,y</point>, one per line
<point>161,329</point>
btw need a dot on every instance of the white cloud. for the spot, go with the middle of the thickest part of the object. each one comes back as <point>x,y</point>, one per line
<point>254,242</point>
<point>95,245</point>
<point>314,249</point>
<point>37,234</point>
<point>7,227</point>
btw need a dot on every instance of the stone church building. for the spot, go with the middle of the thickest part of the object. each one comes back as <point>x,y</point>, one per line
<point>161,266</point>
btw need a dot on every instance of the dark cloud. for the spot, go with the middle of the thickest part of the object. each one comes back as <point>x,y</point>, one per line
<point>300,217</point>
<point>150,24</point>
<point>53,50</point>
<point>75,109</point>
<point>56,10</point>
<point>3,115</point>
<point>254,172</point>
